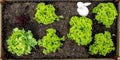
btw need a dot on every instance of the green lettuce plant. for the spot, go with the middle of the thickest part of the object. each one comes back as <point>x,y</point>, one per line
<point>102,45</point>
<point>80,30</point>
<point>45,14</point>
<point>21,42</point>
<point>106,13</point>
<point>51,42</point>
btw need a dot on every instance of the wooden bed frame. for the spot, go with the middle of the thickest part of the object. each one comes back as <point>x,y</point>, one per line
<point>118,32</point>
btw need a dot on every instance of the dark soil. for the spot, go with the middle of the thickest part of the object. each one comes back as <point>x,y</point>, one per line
<point>13,11</point>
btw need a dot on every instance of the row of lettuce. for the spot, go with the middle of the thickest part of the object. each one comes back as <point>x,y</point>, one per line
<point>21,42</point>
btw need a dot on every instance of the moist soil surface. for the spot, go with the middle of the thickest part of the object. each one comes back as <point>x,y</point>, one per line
<point>15,11</point>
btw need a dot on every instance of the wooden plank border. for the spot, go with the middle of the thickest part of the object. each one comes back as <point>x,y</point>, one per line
<point>117,0</point>
<point>0,30</point>
<point>59,0</point>
<point>67,59</point>
<point>118,33</point>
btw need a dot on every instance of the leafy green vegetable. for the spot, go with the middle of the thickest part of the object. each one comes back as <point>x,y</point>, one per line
<point>51,42</point>
<point>45,14</point>
<point>80,30</point>
<point>21,42</point>
<point>103,44</point>
<point>106,13</point>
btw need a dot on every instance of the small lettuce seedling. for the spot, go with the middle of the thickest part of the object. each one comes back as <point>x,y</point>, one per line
<point>102,45</point>
<point>21,42</point>
<point>45,14</point>
<point>51,42</point>
<point>106,13</point>
<point>80,30</point>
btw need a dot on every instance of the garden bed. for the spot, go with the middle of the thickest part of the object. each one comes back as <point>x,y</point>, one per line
<point>70,49</point>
